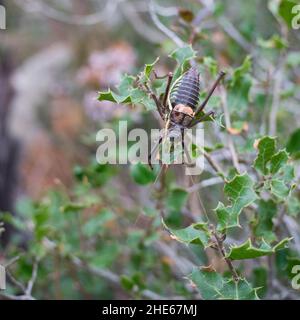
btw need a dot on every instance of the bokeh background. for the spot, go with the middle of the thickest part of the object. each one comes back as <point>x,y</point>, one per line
<point>94,231</point>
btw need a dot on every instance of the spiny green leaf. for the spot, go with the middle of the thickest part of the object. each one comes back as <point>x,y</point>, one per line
<point>293,145</point>
<point>141,174</point>
<point>241,194</point>
<point>287,173</point>
<point>264,225</point>
<point>279,189</point>
<point>241,70</point>
<point>124,89</point>
<point>197,233</point>
<point>209,283</point>
<point>238,94</point>
<point>266,150</point>
<point>239,86</point>
<point>183,54</point>
<point>128,94</point>
<point>211,64</point>
<point>248,251</point>
<point>260,280</point>
<point>107,96</point>
<point>278,160</point>
<point>293,205</point>
<point>176,199</point>
<point>149,67</point>
<point>212,285</point>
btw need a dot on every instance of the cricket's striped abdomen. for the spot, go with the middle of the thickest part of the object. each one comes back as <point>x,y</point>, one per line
<point>186,91</point>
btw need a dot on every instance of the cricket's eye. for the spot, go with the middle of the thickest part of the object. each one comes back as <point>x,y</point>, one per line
<point>177,114</point>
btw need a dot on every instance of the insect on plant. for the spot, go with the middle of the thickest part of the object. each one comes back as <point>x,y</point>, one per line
<point>179,107</point>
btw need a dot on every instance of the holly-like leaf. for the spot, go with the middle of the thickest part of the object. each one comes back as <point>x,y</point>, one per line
<point>141,174</point>
<point>248,251</point>
<point>264,225</point>
<point>213,285</point>
<point>293,205</point>
<point>183,54</point>
<point>107,96</point>
<point>176,199</point>
<point>278,160</point>
<point>211,64</point>
<point>148,68</point>
<point>293,145</point>
<point>266,150</point>
<point>238,94</point>
<point>260,280</point>
<point>124,89</point>
<point>239,86</point>
<point>241,71</point>
<point>128,93</point>
<point>287,173</point>
<point>279,189</point>
<point>197,233</point>
<point>241,194</point>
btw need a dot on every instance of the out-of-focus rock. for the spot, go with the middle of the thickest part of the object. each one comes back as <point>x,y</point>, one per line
<point>44,164</point>
<point>33,82</point>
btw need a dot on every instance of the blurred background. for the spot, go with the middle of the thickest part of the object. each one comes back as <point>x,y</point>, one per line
<point>93,231</point>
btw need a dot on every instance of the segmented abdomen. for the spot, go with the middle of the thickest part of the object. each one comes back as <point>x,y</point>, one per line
<point>187,90</point>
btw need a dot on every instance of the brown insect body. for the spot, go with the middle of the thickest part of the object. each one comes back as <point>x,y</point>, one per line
<point>185,98</point>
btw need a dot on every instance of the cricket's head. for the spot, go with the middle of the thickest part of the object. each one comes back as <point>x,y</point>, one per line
<point>182,114</point>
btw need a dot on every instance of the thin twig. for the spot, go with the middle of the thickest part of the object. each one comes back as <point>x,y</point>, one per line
<point>138,24</point>
<point>26,291</point>
<point>235,34</point>
<point>219,242</point>
<point>231,146</point>
<point>214,165</point>
<point>170,34</point>
<point>278,78</point>
<point>31,282</point>
<point>49,12</point>
<point>11,262</point>
<point>205,183</point>
<point>15,281</point>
